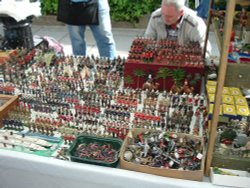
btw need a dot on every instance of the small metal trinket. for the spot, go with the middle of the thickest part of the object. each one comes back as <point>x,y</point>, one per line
<point>128,155</point>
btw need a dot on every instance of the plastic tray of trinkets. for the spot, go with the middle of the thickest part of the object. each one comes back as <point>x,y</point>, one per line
<point>95,150</point>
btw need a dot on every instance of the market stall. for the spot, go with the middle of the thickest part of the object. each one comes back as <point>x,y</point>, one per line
<point>72,120</point>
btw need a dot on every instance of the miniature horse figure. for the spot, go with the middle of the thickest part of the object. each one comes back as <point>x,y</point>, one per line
<point>182,89</point>
<point>85,73</point>
<point>176,89</point>
<point>187,88</point>
<point>150,86</point>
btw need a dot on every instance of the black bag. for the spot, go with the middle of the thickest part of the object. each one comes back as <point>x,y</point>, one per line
<point>80,13</point>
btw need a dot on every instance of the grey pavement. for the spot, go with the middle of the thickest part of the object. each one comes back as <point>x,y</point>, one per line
<point>123,38</point>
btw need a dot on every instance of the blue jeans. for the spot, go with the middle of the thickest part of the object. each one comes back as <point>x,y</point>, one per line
<point>102,34</point>
<point>203,9</point>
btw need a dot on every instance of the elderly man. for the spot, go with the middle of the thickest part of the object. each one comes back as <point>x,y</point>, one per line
<point>175,21</point>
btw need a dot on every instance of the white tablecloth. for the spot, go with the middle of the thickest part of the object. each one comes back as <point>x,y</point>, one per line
<point>20,10</point>
<point>21,170</point>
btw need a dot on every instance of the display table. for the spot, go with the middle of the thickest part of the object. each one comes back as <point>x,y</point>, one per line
<point>26,170</point>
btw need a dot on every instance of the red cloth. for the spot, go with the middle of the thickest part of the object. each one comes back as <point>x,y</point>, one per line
<point>152,68</point>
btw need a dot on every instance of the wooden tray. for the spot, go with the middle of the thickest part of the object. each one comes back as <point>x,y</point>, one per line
<point>7,102</point>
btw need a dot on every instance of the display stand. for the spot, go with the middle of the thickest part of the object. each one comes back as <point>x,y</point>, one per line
<point>154,67</point>
<point>224,46</point>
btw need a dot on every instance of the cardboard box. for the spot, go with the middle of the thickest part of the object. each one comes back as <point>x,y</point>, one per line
<point>227,99</point>
<point>211,83</point>
<point>229,110</point>
<point>242,110</point>
<point>242,180</point>
<point>240,100</point>
<point>211,89</point>
<point>211,98</point>
<point>235,91</point>
<point>226,91</point>
<point>196,175</point>
<point>211,110</point>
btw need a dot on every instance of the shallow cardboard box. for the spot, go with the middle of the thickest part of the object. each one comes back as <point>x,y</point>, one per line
<point>196,175</point>
<point>243,180</point>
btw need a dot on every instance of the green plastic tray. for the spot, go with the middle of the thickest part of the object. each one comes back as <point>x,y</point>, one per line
<point>87,139</point>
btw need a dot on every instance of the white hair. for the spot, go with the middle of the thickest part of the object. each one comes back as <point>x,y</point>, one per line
<point>179,4</point>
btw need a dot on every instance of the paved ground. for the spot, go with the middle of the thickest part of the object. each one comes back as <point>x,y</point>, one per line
<point>123,38</point>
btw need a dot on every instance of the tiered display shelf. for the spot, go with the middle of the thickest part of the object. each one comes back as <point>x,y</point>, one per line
<point>225,78</point>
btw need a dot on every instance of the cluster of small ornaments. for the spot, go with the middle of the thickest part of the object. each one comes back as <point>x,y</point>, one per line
<point>168,52</point>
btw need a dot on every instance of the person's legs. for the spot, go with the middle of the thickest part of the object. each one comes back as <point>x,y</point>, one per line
<point>76,34</point>
<point>203,9</point>
<point>103,32</point>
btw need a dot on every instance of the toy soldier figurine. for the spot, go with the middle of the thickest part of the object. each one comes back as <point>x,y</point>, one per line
<point>196,99</point>
<point>201,100</point>
<point>243,17</point>
<point>184,97</point>
<point>190,98</point>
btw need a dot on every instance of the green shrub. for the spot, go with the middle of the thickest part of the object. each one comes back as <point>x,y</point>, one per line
<point>120,10</point>
<point>49,7</point>
<point>131,10</point>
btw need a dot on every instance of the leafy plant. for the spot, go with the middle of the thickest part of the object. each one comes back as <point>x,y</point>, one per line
<point>134,9</point>
<point>49,7</point>
<point>191,4</point>
<point>128,79</point>
<point>163,73</point>
<point>120,10</point>
<point>178,76</point>
<point>139,73</point>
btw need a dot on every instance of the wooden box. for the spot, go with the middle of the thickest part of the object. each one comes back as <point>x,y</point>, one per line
<point>229,161</point>
<point>196,175</point>
<point>239,179</point>
<point>7,102</point>
<point>237,75</point>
